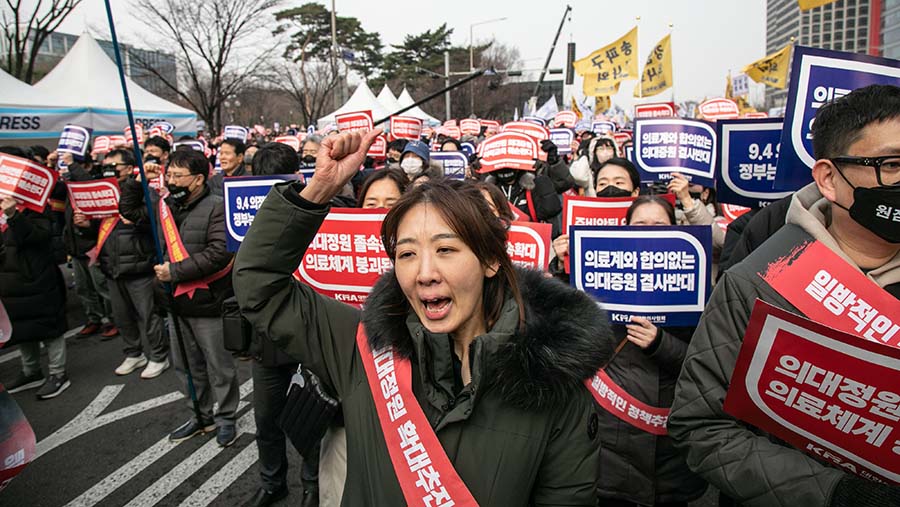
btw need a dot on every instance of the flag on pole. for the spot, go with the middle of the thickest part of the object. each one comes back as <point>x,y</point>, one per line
<point>771,70</point>
<point>576,109</point>
<point>603,103</point>
<point>806,5</point>
<point>606,67</point>
<point>657,75</point>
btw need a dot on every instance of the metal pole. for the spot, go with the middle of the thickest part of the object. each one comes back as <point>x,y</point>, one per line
<point>338,92</point>
<point>471,68</point>
<point>192,392</point>
<point>562,22</point>
<point>447,84</point>
<point>470,77</point>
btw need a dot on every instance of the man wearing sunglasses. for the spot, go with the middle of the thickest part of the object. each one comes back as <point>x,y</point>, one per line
<point>853,209</point>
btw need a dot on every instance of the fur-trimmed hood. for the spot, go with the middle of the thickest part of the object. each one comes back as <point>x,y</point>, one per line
<point>565,339</point>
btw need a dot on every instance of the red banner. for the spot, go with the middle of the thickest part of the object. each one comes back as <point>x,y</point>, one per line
<point>492,126</point>
<point>129,138</point>
<point>17,441</point>
<point>512,150</point>
<point>626,407</point>
<point>5,325</point>
<point>538,132</point>
<point>406,127</point>
<point>351,122</point>
<point>825,392</point>
<point>29,183</point>
<point>102,145</point>
<point>96,198</point>
<point>450,131</point>
<point>346,257</point>
<point>528,244</point>
<point>719,109</point>
<point>655,110</point>
<point>378,148</point>
<point>178,252</point>
<point>292,141</point>
<point>826,289</point>
<point>566,119</point>
<point>469,126</point>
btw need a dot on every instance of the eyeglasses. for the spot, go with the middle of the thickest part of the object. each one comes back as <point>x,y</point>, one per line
<point>887,169</point>
<point>173,176</point>
<point>113,167</point>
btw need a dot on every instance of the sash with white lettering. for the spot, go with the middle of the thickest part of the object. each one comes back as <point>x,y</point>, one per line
<point>828,290</point>
<point>106,227</point>
<point>424,471</point>
<point>178,253</point>
<point>615,400</point>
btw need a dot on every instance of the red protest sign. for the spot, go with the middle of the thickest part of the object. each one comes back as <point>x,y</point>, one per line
<point>129,138</point>
<point>491,126</point>
<point>621,137</point>
<point>5,325</point>
<point>538,132</point>
<point>102,145</point>
<point>27,182</point>
<point>755,114</point>
<point>508,150</point>
<point>825,392</point>
<point>357,120</point>
<point>450,131</point>
<point>346,256</point>
<point>378,148</point>
<point>449,123</point>
<point>825,288</point>
<point>732,211</point>
<point>566,119</point>
<point>292,141</point>
<point>117,141</point>
<point>17,441</point>
<point>528,244</point>
<point>655,110</point>
<point>469,126</point>
<point>406,127</point>
<point>96,198</point>
<point>718,109</point>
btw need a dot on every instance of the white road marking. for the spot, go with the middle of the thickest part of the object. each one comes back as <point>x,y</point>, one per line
<point>14,354</point>
<point>215,485</point>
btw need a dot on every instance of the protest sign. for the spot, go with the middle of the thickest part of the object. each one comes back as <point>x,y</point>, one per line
<point>5,325</point>
<point>449,123</point>
<point>757,115</point>
<point>601,127</point>
<point>17,441</point>
<point>731,212</point>
<point>453,162</point>
<point>102,146</point>
<point>538,132</point>
<point>528,244</point>
<point>165,127</point>
<point>748,156</point>
<point>74,139</point>
<point>378,149</point>
<point>563,138</point>
<point>661,273</point>
<point>292,141</point>
<point>621,137</point>
<point>346,256</point>
<point>537,120</point>
<point>95,198</point>
<point>406,127</point>
<point>117,141</point>
<point>819,76</point>
<point>718,109</point>
<point>828,393</point>
<point>508,150</point>
<point>243,196</point>
<point>194,145</point>
<point>357,120</point>
<point>664,146</point>
<point>582,126</point>
<point>470,127</point>
<point>740,85</point>
<point>129,138</point>
<point>468,148</point>
<point>451,131</point>
<point>29,183</point>
<point>492,126</point>
<point>307,171</point>
<point>565,119</point>
<point>236,132</point>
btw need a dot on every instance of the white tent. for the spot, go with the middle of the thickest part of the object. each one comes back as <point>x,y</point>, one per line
<point>84,89</point>
<point>387,99</point>
<point>362,100</point>
<point>406,100</point>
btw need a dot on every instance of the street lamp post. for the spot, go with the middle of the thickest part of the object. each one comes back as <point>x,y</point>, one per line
<point>472,59</point>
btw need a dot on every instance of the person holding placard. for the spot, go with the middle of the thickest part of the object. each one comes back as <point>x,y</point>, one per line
<point>850,214</point>
<point>462,379</point>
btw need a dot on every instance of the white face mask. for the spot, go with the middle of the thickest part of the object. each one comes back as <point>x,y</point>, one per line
<point>411,165</point>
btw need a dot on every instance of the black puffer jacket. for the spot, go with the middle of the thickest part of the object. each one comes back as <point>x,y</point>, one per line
<point>129,250</point>
<point>545,204</point>
<point>637,466</point>
<point>31,286</point>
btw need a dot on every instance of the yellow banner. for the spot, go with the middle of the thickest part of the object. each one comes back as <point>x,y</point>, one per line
<point>602,104</point>
<point>771,70</point>
<point>576,109</point>
<point>806,5</point>
<point>657,75</point>
<point>606,67</point>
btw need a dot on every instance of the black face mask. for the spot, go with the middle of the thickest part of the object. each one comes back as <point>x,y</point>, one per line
<point>309,159</point>
<point>177,193</point>
<point>505,176</point>
<point>613,191</point>
<point>877,209</point>
<point>110,172</point>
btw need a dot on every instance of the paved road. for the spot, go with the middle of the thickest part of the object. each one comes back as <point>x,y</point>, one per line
<point>104,440</point>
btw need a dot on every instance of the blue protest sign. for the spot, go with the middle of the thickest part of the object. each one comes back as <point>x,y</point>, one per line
<point>582,126</point>
<point>235,132</point>
<point>194,145</point>
<point>562,138</point>
<point>310,130</point>
<point>658,272</point>
<point>307,171</point>
<point>537,120</point>
<point>454,163</point>
<point>666,145</point>
<point>819,76</point>
<point>243,197</point>
<point>748,154</point>
<point>601,127</point>
<point>468,148</point>
<point>165,126</point>
<point>74,139</point>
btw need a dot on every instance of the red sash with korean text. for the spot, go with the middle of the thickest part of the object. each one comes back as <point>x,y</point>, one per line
<point>106,227</point>
<point>626,407</point>
<point>178,253</point>
<point>830,291</point>
<point>425,473</point>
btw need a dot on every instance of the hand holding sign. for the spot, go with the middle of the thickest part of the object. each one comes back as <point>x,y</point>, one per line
<point>680,186</point>
<point>641,332</point>
<point>339,158</point>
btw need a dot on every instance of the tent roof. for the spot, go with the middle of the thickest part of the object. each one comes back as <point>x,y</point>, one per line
<point>86,77</point>
<point>406,100</point>
<point>18,93</point>
<point>362,99</point>
<point>387,99</point>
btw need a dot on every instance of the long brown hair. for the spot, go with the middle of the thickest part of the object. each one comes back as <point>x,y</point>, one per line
<point>465,210</point>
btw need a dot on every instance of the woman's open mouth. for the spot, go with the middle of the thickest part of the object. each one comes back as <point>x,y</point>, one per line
<point>437,308</point>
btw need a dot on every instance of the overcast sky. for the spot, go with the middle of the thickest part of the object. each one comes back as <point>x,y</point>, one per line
<point>709,37</point>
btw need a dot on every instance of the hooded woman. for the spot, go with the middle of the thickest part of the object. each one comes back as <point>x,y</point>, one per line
<point>478,367</point>
<point>584,169</point>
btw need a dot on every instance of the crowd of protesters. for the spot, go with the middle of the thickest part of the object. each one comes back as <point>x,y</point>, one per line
<point>499,355</point>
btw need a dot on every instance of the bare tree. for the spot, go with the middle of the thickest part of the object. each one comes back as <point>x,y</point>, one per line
<point>310,84</point>
<point>25,32</point>
<point>217,46</point>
